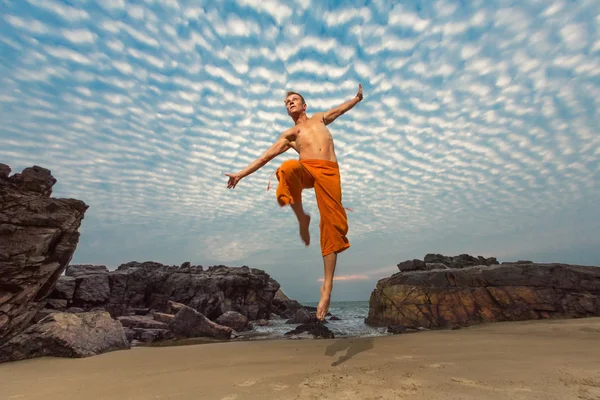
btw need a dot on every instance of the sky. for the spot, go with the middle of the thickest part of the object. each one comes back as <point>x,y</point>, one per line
<point>478,131</point>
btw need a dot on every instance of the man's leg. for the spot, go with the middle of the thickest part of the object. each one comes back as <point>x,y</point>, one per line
<point>329,262</point>
<point>333,227</point>
<point>293,178</point>
<point>303,220</point>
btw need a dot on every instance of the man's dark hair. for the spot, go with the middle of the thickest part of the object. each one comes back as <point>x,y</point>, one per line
<point>291,93</point>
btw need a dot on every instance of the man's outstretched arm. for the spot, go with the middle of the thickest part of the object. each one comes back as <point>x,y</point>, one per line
<point>331,115</point>
<point>280,146</point>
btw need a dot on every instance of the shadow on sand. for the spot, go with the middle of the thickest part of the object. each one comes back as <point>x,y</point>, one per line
<point>353,346</point>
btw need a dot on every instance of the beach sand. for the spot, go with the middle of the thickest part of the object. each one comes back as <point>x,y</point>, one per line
<point>543,360</point>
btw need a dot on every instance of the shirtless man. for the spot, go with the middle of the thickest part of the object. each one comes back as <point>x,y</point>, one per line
<point>316,168</point>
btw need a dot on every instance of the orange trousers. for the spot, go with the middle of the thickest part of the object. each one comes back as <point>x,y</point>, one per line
<point>324,177</point>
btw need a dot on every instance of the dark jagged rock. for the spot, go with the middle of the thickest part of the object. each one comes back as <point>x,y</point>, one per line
<point>316,329</point>
<point>67,335</point>
<point>38,236</point>
<point>189,323</point>
<point>438,261</point>
<point>463,295</point>
<point>234,320</point>
<point>151,285</point>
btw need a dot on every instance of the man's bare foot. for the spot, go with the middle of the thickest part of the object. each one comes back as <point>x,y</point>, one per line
<point>304,233</point>
<point>323,307</point>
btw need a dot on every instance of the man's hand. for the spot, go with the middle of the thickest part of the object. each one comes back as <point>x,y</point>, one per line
<point>233,180</point>
<point>359,94</point>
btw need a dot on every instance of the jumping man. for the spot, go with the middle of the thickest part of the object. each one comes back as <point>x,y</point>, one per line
<point>317,168</point>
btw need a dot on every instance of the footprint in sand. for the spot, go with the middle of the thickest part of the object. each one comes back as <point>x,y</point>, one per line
<point>278,387</point>
<point>481,385</point>
<point>249,382</point>
<point>438,365</point>
<point>406,357</point>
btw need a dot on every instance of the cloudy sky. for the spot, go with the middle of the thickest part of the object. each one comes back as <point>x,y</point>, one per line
<point>478,132</point>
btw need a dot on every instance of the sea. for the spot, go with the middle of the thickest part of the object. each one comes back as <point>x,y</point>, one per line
<point>351,322</point>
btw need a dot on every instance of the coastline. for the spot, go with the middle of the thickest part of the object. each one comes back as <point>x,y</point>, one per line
<point>543,359</point>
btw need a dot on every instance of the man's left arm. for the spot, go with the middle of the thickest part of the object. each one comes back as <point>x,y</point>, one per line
<point>331,115</point>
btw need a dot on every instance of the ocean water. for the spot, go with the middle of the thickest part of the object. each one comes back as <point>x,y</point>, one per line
<point>351,324</point>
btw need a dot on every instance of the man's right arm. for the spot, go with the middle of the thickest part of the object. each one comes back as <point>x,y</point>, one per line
<point>280,146</point>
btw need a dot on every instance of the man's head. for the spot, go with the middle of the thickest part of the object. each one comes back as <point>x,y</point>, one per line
<point>295,104</point>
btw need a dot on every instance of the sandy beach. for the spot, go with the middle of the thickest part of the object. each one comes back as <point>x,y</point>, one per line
<point>557,359</point>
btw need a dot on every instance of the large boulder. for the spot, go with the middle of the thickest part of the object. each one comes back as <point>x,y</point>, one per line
<point>151,285</point>
<point>189,323</point>
<point>38,236</point>
<point>234,320</point>
<point>67,335</point>
<point>449,298</point>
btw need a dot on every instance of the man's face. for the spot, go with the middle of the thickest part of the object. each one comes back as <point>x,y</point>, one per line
<point>294,105</point>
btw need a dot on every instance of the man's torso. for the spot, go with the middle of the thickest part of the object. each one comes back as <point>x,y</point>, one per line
<point>312,140</point>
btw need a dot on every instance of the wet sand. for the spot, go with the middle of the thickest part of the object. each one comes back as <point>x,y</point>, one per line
<point>518,360</point>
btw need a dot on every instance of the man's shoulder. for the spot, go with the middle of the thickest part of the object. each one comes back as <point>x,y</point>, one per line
<point>319,115</point>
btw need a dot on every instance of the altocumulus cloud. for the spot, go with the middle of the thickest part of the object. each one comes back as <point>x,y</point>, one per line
<point>478,132</point>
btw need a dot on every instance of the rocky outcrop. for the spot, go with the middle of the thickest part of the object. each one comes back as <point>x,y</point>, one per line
<point>471,294</point>
<point>149,285</point>
<point>67,335</point>
<point>38,236</point>
<point>438,261</point>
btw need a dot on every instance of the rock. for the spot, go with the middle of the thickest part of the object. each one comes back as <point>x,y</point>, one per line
<point>129,333</point>
<point>316,329</point>
<point>260,322</point>
<point>460,261</point>
<point>411,265</point>
<point>397,329</point>
<point>151,335</point>
<point>4,171</point>
<point>189,323</point>
<point>173,307</point>
<point>436,265</point>
<point>141,311</point>
<point>64,289</point>
<point>38,236</point>
<point>43,313</point>
<point>334,318</point>
<point>56,304</point>
<point>67,335</point>
<point>302,316</point>
<point>92,289</point>
<point>162,317</point>
<point>234,320</point>
<point>284,306</point>
<point>215,291</point>
<point>438,261</point>
<point>141,321</point>
<point>85,269</point>
<point>485,293</point>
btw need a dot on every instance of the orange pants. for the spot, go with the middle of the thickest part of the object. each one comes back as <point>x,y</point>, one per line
<point>324,176</point>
